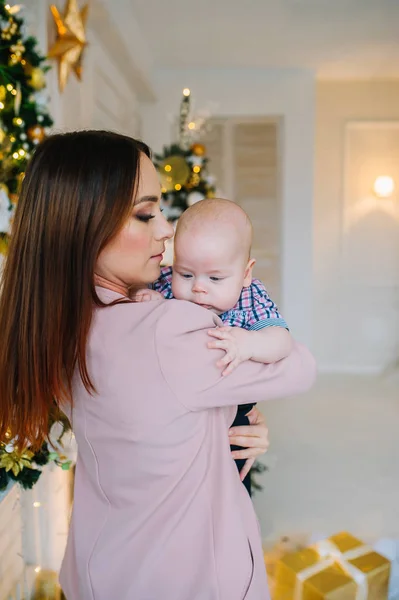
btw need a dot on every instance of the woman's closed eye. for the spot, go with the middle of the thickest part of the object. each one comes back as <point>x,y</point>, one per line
<point>145,218</point>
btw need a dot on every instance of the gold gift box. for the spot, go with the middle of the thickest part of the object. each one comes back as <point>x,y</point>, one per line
<point>310,574</point>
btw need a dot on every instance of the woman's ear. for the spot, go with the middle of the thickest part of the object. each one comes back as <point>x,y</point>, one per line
<point>248,272</point>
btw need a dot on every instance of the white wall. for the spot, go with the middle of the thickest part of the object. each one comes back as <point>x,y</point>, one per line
<point>356,309</point>
<point>334,459</point>
<point>287,94</point>
<point>114,81</point>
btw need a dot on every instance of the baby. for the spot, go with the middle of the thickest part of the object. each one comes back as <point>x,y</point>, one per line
<point>213,267</point>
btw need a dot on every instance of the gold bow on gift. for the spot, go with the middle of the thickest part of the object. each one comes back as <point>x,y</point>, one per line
<point>339,567</point>
<point>329,554</point>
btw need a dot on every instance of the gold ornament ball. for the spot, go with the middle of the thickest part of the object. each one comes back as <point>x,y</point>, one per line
<point>36,78</point>
<point>198,149</point>
<point>174,171</point>
<point>36,132</point>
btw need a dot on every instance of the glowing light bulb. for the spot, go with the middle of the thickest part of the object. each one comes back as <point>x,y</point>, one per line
<point>177,187</point>
<point>37,504</point>
<point>186,92</point>
<point>191,125</point>
<point>9,87</point>
<point>384,186</point>
<point>15,155</point>
<point>38,569</point>
<point>1,106</point>
<point>168,168</point>
<point>196,169</point>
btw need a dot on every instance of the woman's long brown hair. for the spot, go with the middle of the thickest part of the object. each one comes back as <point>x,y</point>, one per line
<point>77,193</point>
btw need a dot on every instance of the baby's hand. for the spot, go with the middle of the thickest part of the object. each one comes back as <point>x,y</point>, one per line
<point>146,295</point>
<point>236,342</point>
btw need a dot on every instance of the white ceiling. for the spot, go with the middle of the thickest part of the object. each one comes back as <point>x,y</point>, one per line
<point>336,38</point>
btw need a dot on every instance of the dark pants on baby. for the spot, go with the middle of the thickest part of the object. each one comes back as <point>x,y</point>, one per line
<point>242,419</point>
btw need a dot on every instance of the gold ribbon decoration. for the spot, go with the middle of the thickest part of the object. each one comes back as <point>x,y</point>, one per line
<point>329,554</point>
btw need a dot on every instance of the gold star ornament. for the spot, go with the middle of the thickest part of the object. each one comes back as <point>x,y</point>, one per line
<point>71,40</point>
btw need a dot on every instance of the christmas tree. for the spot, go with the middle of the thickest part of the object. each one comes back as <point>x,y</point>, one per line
<point>182,167</point>
<point>24,118</point>
<point>23,123</point>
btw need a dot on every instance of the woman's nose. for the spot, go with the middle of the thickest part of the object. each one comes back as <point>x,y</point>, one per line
<point>165,230</point>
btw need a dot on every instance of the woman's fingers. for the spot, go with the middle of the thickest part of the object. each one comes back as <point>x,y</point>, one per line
<point>248,442</point>
<point>255,417</point>
<point>246,468</point>
<point>247,453</point>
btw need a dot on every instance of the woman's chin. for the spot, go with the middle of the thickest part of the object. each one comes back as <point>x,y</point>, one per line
<point>152,272</point>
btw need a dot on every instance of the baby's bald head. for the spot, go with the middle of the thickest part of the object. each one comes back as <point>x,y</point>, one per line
<point>212,255</point>
<point>218,219</point>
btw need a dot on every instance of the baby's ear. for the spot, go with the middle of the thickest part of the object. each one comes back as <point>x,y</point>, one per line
<point>248,272</point>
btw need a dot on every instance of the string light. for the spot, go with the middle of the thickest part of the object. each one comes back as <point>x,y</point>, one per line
<point>196,169</point>
<point>191,125</point>
<point>168,168</point>
<point>15,155</point>
<point>14,92</point>
<point>37,504</point>
<point>186,92</point>
<point>178,187</point>
<point>1,106</point>
<point>9,87</point>
<point>38,569</point>
<point>12,139</point>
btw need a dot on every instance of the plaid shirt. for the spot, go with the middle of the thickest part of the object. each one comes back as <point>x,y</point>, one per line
<point>254,309</point>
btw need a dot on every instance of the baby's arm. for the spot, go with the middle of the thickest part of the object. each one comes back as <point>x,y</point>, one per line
<point>270,344</point>
<point>264,337</point>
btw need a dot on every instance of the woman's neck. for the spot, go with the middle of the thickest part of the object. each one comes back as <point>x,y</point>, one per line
<point>111,285</point>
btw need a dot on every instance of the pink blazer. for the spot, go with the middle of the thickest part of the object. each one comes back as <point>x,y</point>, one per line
<point>159,510</point>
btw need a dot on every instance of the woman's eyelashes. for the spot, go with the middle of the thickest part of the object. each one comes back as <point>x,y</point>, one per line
<point>145,218</point>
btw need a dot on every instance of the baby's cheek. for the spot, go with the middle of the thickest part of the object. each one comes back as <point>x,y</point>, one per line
<point>177,289</point>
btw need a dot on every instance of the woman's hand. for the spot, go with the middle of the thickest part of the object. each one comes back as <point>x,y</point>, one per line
<point>254,438</point>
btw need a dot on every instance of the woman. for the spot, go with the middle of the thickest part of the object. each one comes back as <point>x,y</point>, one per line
<point>159,510</point>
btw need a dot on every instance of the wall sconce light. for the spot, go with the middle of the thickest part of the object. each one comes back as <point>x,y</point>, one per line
<point>384,186</point>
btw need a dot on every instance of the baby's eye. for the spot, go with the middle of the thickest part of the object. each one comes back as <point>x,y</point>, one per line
<point>216,278</point>
<point>185,275</point>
